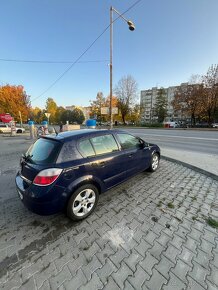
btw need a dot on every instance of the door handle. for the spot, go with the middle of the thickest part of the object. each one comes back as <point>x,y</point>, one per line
<point>99,164</point>
<point>102,164</point>
<point>130,155</point>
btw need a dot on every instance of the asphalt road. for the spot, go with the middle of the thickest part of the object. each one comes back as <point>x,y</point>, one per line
<point>196,141</point>
<point>198,148</point>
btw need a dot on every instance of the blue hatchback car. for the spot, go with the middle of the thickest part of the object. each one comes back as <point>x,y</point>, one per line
<point>69,170</point>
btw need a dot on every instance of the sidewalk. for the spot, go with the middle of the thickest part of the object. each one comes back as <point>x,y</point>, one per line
<point>207,162</point>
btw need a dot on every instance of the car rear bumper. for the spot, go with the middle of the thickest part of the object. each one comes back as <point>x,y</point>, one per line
<point>42,205</point>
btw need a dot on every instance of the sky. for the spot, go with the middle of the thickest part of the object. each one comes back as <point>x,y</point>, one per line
<point>173,39</point>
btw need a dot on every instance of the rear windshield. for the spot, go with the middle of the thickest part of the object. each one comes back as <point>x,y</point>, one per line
<point>43,151</point>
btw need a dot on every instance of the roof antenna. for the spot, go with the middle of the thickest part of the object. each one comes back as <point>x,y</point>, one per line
<point>55,131</point>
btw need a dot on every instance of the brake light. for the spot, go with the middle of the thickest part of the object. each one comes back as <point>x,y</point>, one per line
<point>47,176</point>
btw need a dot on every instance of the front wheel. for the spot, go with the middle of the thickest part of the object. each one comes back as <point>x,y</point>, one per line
<point>155,159</point>
<point>82,202</point>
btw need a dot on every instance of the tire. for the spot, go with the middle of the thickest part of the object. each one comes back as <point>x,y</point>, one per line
<point>19,131</point>
<point>82,202</point>
<point>155,159</point>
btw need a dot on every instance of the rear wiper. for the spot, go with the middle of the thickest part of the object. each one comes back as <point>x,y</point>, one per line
<point>27,157</point>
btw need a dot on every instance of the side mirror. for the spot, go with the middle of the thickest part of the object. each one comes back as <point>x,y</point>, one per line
<point>142,144</point>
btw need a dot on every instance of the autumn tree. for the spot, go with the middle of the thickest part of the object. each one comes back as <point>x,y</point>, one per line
<point>188,99</point>
<point>51,107</point>
<point>126,92</point>
<point>114,102</point>
<point>14,99</point>
<point>160,107</point>
<point>210,100</point>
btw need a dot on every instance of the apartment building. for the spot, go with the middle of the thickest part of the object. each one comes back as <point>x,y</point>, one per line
<point>148,101</point>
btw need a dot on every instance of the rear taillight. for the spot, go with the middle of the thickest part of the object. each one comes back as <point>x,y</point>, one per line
<point>47,176</point>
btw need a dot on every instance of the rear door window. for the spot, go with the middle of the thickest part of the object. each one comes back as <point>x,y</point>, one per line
<point>43,151</point>
<point>104,144</point>
<point>86,149</point>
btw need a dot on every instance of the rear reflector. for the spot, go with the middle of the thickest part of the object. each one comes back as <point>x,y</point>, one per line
<point>47,176</point>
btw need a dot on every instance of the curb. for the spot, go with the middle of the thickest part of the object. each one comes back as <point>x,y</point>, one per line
<point>202,171</point>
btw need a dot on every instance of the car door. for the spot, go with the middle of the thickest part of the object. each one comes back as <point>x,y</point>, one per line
<point>109,161</point>
<point>137,154</point>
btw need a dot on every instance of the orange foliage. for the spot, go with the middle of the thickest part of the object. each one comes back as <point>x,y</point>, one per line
<point>114,101</point>
<point>14,99</point>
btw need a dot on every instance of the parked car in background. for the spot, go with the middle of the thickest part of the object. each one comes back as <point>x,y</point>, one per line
<point>215,125</point>
<point>69,170</point>
<point>171,124</point>
<point>5,128</point>
<point>20,129</point>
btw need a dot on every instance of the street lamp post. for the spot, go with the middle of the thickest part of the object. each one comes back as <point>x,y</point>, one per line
<point>131,27</point>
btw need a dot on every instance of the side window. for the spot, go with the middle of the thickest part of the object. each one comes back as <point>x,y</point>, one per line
<point>128,141</point>
<point>86,148</point>
<point>104,144</point>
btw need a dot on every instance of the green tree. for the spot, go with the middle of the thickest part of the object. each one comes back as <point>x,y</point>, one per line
<point>78,116</point>
<point>75,116</point>
<point>67,115</point>
<point>96,106</point>
<point>126,93</point>
<point>134,116</point>
<point>58,114</point>
<point>160,107</point>
<point>37,115</point>
<point>51,107</point>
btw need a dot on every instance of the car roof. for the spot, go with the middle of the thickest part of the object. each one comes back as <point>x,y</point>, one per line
<point>77,134</point>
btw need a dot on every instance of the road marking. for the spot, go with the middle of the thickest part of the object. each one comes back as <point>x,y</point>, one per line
<point>169,136</point>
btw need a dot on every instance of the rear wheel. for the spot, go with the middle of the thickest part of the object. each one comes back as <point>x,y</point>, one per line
<point>155,159</point>
<point>19,131</point>
<point>83,202</point>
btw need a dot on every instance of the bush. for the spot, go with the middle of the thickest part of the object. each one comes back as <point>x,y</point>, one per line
<point>152,125</point>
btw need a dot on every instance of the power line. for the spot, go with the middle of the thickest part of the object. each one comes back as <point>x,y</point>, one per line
<point>61,76</point>
<point>134,4</point>
<point>50,61</point>
<point>77,60</point>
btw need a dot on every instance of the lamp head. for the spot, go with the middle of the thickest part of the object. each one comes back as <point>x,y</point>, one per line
<point>131,25</point>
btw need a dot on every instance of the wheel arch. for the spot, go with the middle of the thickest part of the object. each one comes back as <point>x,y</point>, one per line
<point>77,184</point>
<point>156,152</point>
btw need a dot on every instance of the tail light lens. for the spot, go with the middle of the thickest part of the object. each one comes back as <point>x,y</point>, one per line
<point>47,176</point>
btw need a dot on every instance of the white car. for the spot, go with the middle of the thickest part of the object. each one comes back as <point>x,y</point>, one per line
<point>215,125</point>
<point>5,128</point>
